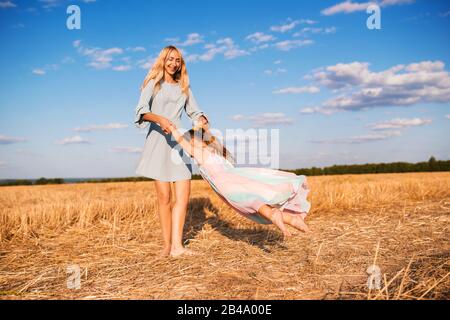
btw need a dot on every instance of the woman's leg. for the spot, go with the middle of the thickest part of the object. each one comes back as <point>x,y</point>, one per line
<point>182,192</point>
<point>165,214</point>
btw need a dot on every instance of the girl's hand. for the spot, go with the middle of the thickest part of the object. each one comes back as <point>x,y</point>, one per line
<point>166,125</point>
<point>172,128</point>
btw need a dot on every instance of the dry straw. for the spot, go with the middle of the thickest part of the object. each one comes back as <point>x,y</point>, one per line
<point>111,232</point>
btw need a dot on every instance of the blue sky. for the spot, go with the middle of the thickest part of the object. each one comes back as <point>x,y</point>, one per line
<point>338,92</point>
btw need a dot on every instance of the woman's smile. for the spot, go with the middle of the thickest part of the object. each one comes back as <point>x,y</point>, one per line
<point>173,63</point>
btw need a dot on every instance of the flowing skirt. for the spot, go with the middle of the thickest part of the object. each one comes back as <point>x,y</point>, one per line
<point>247,189</point>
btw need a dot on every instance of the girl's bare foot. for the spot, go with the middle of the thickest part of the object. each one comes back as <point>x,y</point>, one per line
<point>277,219</point>
<point>297,222</point>
<point>182,251</point>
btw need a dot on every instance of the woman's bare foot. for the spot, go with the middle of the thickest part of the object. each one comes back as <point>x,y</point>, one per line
<point>164,252</point>
<point>277,219</point>
<point>296,220</point>
<point>182,251</point>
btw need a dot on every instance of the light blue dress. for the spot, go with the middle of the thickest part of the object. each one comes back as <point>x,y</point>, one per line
<point>162,158</point>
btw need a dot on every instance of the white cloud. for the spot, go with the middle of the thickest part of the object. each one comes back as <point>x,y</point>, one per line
<point>400,123</point>
<point>447,116</point>
<point>7,4</point>
<point>126,150</point>
<point>136,49</point>
<point>291,25</point>
<point>346,7</point>
<point>275,72</point>
<point>259,37</point>
<point>146,63</point>
<point>311,110</point>
<point>100,58</point>
<point>308,30</point>
<point>307,21</point>
<point>50,4</point>
<point>39,72</point>
<point>122,67</point>
<point>47,4</point>
<point>349,6</point>
<point>18,26</point>
<point>96,127</point>
<point>287,45</point>
<point>73,140</point>
<point>51,67</point>
<point>265,119</point>
<point>10,140</point>
<point>192,38</point>
<point>260,47</point>
<point>401,85</point>
<point>307,110</point>
<point>360,139</point>
<point>284,27</point>
<point>237,117</point>
<point>67,60</point>
<point>43,70</point>
<point>305,89</point>
<point>225,46</point>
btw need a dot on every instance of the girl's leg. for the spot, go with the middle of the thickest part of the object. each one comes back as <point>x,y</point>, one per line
<point>182,192</point>
<point>296,220</point>
<point>165,214</point>
<point>276,216</point>
<point>279,218</point>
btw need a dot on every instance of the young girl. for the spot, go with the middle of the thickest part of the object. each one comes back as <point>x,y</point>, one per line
<point>260,194</point>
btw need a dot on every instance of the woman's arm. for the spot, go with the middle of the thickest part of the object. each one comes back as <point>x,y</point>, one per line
<point>143,106</point>
<point>143,112</point>
<point>193,110</point>
<point>193,150</point>
<point>163,122</point>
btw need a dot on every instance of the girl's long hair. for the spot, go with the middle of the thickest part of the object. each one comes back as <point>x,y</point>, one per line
<point>156,72</point>
<point>211,141</point>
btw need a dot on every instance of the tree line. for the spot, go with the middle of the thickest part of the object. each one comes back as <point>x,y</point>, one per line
<point>431,165</point>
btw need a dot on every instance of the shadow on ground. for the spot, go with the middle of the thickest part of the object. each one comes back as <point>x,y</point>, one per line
<point>196,219</point>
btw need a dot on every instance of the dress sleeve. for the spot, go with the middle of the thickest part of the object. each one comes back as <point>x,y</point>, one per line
<point>144,105</point>
<point>192,108</point>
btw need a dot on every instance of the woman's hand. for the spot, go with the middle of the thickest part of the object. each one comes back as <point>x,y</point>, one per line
<point>177,135</point>
<point>166,125</point>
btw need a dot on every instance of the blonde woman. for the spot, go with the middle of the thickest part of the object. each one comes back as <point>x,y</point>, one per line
<point>165,93</point>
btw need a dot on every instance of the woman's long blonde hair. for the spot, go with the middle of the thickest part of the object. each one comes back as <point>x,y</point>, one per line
<point>156,72</point>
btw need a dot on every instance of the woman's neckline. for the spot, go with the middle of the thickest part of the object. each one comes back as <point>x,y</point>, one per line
<point>172,84</point>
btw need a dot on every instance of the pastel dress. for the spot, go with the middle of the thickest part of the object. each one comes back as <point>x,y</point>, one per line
<point>162,159</point>
<point>246,189</point>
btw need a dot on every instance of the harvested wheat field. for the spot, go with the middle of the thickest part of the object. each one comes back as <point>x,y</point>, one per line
<point>398,222</point>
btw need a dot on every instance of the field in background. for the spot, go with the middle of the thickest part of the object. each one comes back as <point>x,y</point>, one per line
<point>398,222</point>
